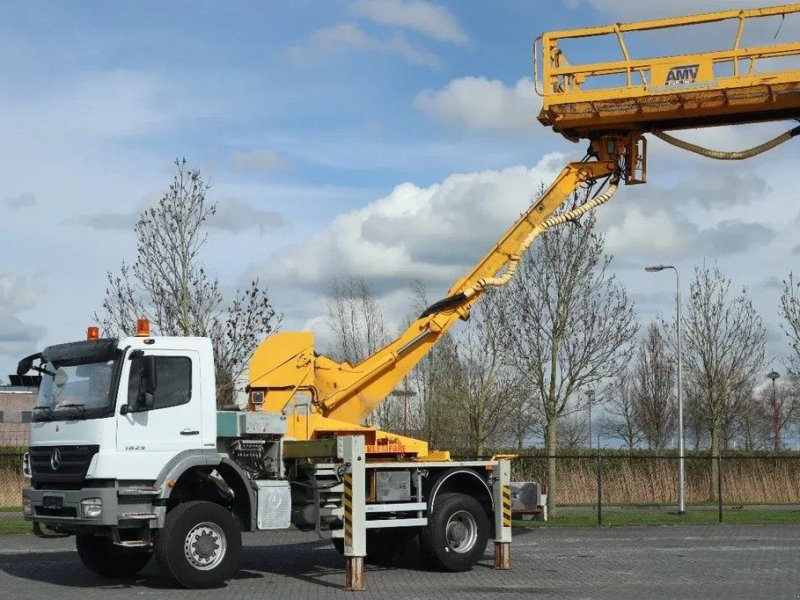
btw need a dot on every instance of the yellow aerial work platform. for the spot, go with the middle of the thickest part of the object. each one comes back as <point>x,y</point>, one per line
<point>723,87</point>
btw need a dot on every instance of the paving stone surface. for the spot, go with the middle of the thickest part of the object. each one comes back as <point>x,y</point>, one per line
<point>585,563</point>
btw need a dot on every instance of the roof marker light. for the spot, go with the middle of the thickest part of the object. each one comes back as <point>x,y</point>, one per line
<point>142,328</point>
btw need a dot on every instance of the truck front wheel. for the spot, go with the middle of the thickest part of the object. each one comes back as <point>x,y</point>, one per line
<point>199,545</point>
<point>100,555</point>
<point>456,534</point>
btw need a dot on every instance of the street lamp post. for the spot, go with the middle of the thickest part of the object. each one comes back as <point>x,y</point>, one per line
<point>773,375</point>
<point>405,394</point>
<point>590,395</point>
<point>681,483</point>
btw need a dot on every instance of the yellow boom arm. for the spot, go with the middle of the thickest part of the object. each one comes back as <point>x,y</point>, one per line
<point>323,398</point>
<point>337,397</point>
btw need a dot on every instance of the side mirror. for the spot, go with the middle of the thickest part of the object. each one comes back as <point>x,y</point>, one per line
<point>148,381</point>
<point>26,364</point>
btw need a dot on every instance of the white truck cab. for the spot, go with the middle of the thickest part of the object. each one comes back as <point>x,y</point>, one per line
<point>117,424</point>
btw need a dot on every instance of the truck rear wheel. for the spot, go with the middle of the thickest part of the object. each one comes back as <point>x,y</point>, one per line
<point>101,556</point>
<point>457,532</point>
<point>199,546</point>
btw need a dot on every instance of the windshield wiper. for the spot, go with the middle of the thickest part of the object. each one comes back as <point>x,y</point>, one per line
<point>80,407</point>
<point>48,414</point>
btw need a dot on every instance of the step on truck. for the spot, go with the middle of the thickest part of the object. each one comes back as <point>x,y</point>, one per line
<point>129,453</point>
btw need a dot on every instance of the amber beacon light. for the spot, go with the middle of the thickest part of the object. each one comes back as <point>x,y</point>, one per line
<point>142,328</point>
<point>93,333</point>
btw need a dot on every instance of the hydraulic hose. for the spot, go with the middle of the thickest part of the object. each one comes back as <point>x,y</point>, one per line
<point>514,259</point>
<point>721,155</point>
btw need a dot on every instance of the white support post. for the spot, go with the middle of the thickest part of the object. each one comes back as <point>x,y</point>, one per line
<point>501,491</point>
<point>351,451</point>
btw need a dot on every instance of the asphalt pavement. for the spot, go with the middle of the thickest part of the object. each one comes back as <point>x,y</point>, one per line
<point>588,563</point>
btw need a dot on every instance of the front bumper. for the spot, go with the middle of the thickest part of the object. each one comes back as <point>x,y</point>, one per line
<point>68,511</point>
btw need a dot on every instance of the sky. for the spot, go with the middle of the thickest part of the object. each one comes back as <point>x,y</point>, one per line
<point>386,139</point>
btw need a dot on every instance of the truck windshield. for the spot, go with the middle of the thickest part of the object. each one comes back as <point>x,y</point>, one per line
<point>70,392</point>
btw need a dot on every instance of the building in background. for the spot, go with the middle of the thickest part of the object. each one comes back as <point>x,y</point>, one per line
<point>16,407</point>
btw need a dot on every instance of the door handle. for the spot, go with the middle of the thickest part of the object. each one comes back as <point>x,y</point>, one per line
<point>190,432</point>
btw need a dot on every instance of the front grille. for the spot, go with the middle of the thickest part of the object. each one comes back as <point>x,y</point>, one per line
<point>64,511</point>
<point>71,466</point>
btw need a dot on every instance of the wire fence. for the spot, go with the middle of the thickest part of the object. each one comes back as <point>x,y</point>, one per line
<point>632,488</point>
<point>642,489</point>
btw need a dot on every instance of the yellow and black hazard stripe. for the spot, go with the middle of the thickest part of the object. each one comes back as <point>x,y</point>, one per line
<point>348,509</point>
<point>506,506</point>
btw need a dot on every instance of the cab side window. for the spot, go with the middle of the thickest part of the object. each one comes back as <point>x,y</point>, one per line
<point>174,379</point>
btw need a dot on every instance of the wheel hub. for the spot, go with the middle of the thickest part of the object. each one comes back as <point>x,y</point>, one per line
<point>205,546</point>
<point>461,531</point>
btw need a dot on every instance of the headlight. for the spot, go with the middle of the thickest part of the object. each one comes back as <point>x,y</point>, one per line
<point>26,465</point>
<point>27,507</point>
<point>91,508</point>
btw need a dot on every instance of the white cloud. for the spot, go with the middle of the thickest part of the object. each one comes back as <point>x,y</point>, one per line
<point>232,214</point>
<point>235,215</point>
<point>24,200</point>
<point>480,103</point>
<point>415,55</point>
<point>434,233</point>
<point>350,36</point>
<point>656,222</point>
<point>17,294</point>
<point>259,160</point>
<point>344,34</point>
<point>428,19</point>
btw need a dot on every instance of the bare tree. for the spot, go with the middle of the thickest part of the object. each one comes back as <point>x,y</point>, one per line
<point>694,417</point>
<point>573,430</point>
<point>620,422</point>
<point>790,311</point>
<point>356,319</point>
<point>788,410</point>
<point>168,284</point>
<point>753,427</point>
<point>434,418</point>
<point>569,322</point>
<point>655,406</point>
<point>723,349</point>
<point>486,387</point>
<point>524,417</point>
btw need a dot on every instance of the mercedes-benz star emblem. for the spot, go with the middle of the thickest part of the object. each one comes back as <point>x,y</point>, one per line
<point>55,459</point>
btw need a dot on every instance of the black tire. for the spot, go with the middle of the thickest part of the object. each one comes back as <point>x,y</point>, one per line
<point>101,556</point>
<point>457,532</point>
<point>199,546</point>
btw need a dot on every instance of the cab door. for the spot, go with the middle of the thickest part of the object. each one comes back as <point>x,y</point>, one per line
<point>148,439</point>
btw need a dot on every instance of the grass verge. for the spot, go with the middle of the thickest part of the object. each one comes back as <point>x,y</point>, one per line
<point>8,509</point>
<point>11,527</point>
<point>704,517</point>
